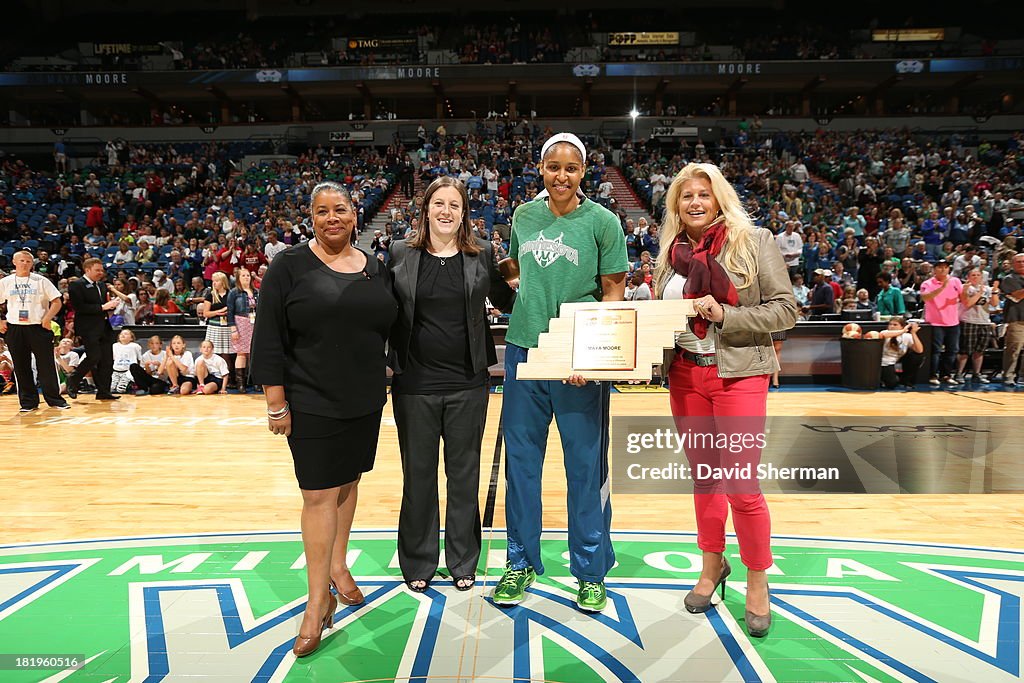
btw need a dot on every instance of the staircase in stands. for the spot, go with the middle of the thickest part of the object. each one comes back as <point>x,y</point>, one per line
<point>622,191</point>
<point>396,200</point>
<point>625,196</point>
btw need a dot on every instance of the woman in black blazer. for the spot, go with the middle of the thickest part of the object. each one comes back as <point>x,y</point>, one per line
<point>441,349</point>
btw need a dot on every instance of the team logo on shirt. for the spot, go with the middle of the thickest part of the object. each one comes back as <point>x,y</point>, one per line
<point>546,251</point>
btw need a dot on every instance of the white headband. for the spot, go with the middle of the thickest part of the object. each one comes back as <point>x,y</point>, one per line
<point>564,137</point>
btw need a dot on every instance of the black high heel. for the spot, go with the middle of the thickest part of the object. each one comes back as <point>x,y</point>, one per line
<point>418,589</point>
<point>696,603</point>
<point>464,583</point>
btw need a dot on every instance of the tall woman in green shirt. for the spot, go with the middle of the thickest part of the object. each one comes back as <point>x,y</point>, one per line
<point>565,249</point>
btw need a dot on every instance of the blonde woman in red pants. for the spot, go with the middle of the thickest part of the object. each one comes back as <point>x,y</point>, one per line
<point>718,380</point>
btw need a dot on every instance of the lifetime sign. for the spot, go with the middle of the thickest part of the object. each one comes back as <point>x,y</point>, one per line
<point>628,39</point>
<point>126,49</point>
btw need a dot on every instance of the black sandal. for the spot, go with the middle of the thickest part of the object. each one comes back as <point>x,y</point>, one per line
<point>418,589</point>
<point>469,580</point>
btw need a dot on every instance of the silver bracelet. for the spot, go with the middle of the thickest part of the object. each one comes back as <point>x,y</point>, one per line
<point>279,417</point>
<point>282,411</point>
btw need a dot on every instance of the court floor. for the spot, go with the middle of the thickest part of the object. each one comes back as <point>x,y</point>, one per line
<point>155,538</point>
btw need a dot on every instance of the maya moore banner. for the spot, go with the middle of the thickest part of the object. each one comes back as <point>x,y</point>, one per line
<point>843,454</point>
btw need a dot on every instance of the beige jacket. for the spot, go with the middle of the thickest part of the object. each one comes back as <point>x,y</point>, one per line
<point>743,343</point>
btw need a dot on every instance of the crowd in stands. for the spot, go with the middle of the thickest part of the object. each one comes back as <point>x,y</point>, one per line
<point>866,217</point>
<point>509,43</point>
<point>864,221</point>
<point>230,42</point>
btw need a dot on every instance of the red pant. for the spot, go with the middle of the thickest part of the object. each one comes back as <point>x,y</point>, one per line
<point>698,392</point>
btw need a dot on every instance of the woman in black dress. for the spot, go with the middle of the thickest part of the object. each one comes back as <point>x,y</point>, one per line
<point>323,318</point>
<point>441,349</point>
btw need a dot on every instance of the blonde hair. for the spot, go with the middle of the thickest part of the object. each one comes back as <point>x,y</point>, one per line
<point>184,347</point>
<point>739,254</point>
<point>221,277</point>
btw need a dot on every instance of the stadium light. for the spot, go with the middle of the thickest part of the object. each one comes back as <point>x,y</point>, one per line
<point>633,113</point>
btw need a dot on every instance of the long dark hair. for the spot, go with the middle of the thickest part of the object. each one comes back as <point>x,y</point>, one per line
<point>464,238</point>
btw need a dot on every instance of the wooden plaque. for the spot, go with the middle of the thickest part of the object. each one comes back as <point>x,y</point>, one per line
<point>654,329</point>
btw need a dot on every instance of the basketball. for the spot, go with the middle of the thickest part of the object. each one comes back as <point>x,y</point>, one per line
<point>851,331</point>
<point>873,334</point>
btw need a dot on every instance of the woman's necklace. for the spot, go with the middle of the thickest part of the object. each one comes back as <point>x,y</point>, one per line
<point>443,258</point>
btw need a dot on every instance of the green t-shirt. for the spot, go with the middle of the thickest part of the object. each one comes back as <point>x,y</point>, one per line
<point>561,260</point>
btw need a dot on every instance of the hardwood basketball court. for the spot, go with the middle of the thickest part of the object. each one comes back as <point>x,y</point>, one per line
<point>163,464</point>
<point>173,476</point>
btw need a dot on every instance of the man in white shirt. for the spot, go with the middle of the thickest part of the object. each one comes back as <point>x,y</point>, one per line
<point>161,281</point>
<point>658,182</point>
<point>32,301</point>
<point>791,244</point>
<point>967,260</point>
<point>491,176</point>
<point>799,172</point>
<point>273,247</point>
<point>604,192</point>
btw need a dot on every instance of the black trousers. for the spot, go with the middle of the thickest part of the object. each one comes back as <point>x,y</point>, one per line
<point>422,421</point>
<point>26,341</point>
<point>911,363</point>
<point>99,358</point>
<point>145,381</point>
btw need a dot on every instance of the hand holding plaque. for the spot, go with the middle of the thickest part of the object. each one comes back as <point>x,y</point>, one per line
<point>608,340</point>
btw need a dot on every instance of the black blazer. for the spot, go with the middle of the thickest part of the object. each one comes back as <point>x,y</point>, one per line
<point>90,318</point>
<point>482,281</point>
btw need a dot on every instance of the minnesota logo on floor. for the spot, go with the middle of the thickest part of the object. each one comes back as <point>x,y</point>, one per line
<point>226,607</point>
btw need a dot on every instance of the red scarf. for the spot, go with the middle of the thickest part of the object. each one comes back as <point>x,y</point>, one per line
<point>704,275</point>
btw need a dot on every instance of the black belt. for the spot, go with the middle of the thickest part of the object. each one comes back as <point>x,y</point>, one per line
<point>701,359</point>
